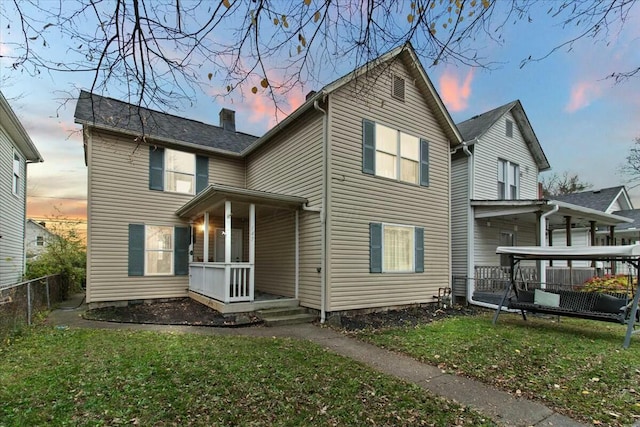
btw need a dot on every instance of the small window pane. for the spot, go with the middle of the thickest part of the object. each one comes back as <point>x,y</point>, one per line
<point>385,165</point>
<point>398,248</point>
<point>159,262</point>
<point>178,161</point>
<point>386,139</point>
<point>158,250</point>
<point>159,238</point>
<point>501,190</point>
<point>409,171</point>
<point>180,182</point>
<point>409,147</point>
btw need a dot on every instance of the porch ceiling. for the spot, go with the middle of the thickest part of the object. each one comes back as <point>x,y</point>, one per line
<point>216,194</point>
<point>523,209</point>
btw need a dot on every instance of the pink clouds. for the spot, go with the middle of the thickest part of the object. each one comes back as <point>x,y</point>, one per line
<point>582,94</point>
<point>454,92</point>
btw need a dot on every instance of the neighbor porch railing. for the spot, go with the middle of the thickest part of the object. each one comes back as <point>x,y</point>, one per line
<point>226,282</point>
<point>493,278</point>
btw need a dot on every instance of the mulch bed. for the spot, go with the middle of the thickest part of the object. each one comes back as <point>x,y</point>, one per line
<point>181,311</point>
<point>407,317</point>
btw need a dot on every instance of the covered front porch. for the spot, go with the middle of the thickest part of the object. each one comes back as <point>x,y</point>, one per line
<point>529,223</point>
<point>230,268</point>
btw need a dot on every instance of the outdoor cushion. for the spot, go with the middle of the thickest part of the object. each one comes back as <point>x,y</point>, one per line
<point>609,304</point>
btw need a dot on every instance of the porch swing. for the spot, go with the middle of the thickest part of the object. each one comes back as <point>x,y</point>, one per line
<point>580,301</point>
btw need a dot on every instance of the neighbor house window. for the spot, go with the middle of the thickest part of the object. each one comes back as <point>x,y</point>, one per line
<point>393,154</point>
<point>396,248</point>
<point>16,174</point>
<point>39,241</point>
<point>508,180</point>
<point>180,171</point>
<point>158,250</point>
<point>507,238</point>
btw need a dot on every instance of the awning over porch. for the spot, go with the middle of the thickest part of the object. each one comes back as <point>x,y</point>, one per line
<point>516,209</point>
<point>216,194</point>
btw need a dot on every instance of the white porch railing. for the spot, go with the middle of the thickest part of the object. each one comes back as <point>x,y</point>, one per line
<point>223,282</point>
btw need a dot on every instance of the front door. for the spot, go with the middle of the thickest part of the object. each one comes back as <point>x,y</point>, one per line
<point>236,245</point>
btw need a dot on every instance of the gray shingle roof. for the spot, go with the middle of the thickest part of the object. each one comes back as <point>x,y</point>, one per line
<point>633,214</point>
<point>111,113</point>
<point>594,199</point>
<point>476,126</point>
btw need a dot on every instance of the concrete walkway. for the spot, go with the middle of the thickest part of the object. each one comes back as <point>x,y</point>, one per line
<point>501,407</point>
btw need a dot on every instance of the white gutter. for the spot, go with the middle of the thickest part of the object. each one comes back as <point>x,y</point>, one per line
<point>323,215</point>
<point>543,240</point>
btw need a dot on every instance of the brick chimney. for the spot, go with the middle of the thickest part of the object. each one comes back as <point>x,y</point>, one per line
<point>228,119</point>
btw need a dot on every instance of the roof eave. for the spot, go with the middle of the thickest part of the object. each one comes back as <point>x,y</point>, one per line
<point>18,133</point>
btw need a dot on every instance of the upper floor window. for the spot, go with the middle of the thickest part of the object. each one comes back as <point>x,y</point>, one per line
<point>15,186</point>
<point>509,129</point>
<point>393,154</point>
<point>508,180</point>
<point>180,171</point>
<point>39,240</point>
<point>177,171</point>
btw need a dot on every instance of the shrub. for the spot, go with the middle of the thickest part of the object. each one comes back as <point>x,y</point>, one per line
<point>618,284</point>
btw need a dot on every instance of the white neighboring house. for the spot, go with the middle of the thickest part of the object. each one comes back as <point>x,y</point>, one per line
<point>36,238</point>
<point>16,151</point>
<point>496,201</point>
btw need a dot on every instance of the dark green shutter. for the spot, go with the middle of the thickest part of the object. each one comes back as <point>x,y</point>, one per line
<point>419,250</point>
<point>375,247</point>
<point>136,250</point>
<point>156,168</point>
<point>424,162</point>
<point>181,252</point>
<point>368,147</point>
<point>202,173</point>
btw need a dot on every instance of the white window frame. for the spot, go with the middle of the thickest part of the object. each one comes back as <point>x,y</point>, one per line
<point>412,267</point>
<point>148,251</point>
<point>168,171</point>
<point>15,179</point>
<point>397,155</point>
<point>505,179</point>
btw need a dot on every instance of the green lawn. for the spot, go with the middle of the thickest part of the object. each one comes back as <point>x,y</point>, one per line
<point>576,366</point>
<point>98,377</point>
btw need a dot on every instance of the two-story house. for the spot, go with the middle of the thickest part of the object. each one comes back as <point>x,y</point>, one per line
<point>344,205</point>
<point>496,201</point>
<point>36,238</point>
<point>16,151</point>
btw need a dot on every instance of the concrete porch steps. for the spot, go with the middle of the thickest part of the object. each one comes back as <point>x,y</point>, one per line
<point>285,316</point>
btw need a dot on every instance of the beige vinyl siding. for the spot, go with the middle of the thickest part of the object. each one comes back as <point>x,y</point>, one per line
<point>275,253</point>
<point>12,214</point>
<point>459,218</point>
<point>291,163</point>
<point>494,145</point>
<point>358,199</point>
<point>119,195</point>
<point>579,238</point>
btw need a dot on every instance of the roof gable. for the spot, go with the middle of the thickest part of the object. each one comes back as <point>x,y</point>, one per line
<point>601,200</point>
<point>19,136</point>
<point>474,128</point>
<point>111,114</point>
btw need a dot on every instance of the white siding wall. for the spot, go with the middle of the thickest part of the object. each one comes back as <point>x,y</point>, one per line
<point>291,164</point>
<point>494,145</point>
<point>579,238</point>
<point>12,214</point>
<point>487,238</point>
<point>32,232</point>
<point>358,199</point>
<point>275,253</point>
<point>459,221</point>
<point>119,195</point>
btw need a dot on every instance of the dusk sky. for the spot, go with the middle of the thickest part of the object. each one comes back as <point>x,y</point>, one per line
<point>585,122</point>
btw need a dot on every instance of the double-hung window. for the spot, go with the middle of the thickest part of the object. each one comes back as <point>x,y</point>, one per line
<point>393,154</point>
<point>508,180</point>
<point>180,171</point>
<point>396,248</point>
<point>158,250</point>
<point>15,186</point>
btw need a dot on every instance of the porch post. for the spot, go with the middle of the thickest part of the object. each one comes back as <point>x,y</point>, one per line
<point>297,254</point>
<point>612,242</point>
<point>205,240</point>
<point>567,232</point>
<point>227,249</point>
<point>592,235</point>
<point>252,250</point>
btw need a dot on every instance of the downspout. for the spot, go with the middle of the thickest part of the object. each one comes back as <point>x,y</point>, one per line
<point>543,229</point>
<point>323,213</point>
<point>471,232</point>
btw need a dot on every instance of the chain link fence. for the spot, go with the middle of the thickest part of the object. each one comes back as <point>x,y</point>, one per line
<point>20,303</point>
